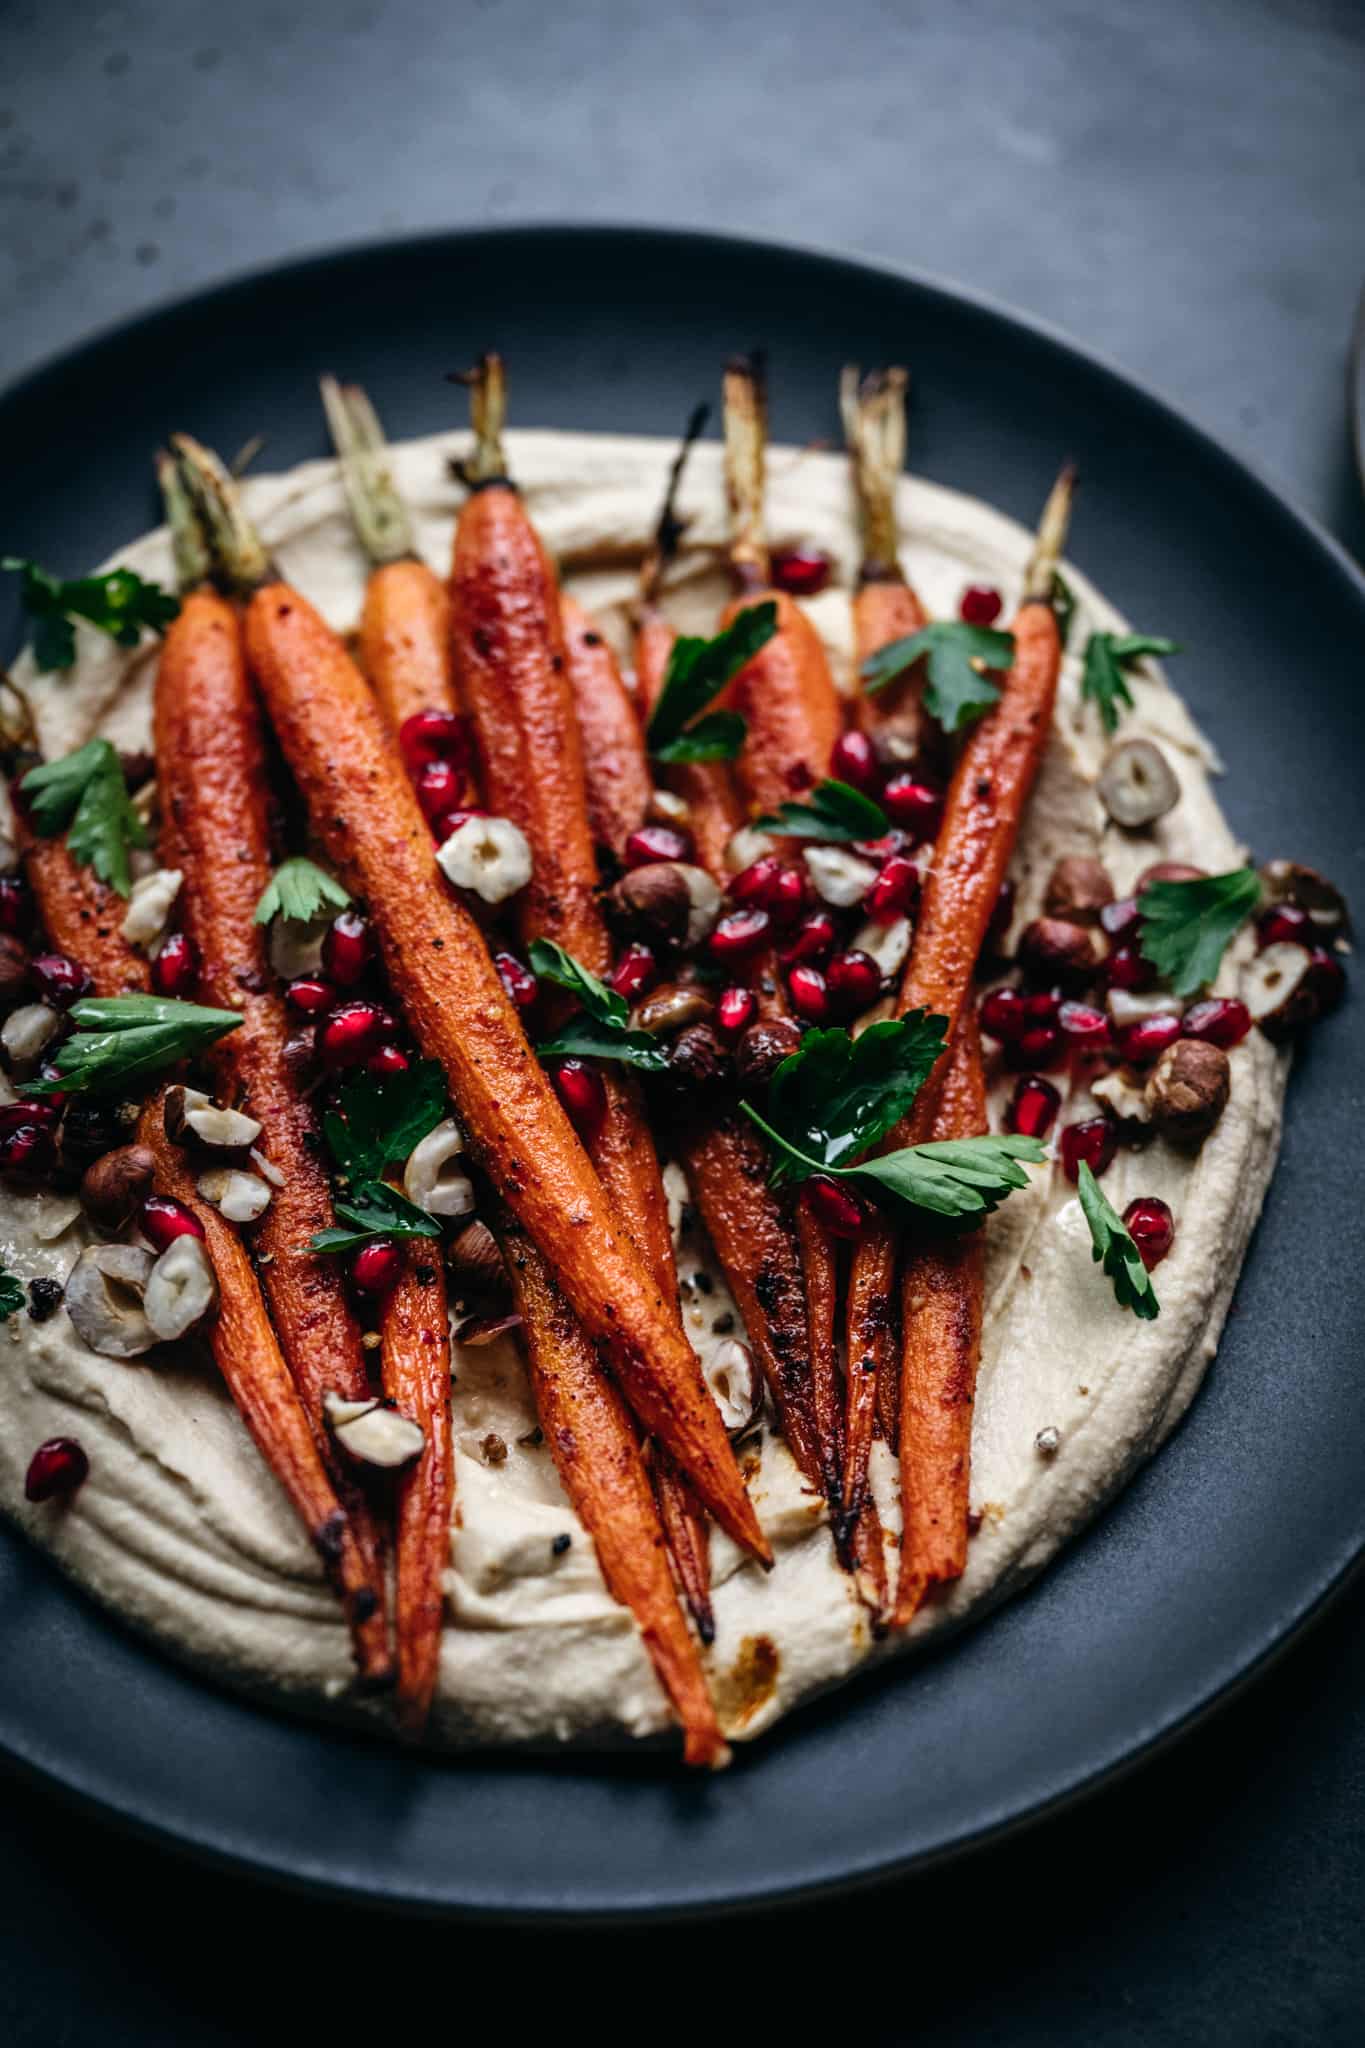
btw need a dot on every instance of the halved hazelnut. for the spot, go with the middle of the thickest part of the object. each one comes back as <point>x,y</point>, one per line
<point>736,1385</point>
<point>1279,989</point>
<point>1078,888</point>
<point>672,1008</point>
<point>372,1433</point>
<point>27,1030</point>
<point>745,847</point>
<point>430,1181</point>
<point>105,1292</point>
<point>239,1196</point>
<point>490,856</point>
<point>149,906</point>
<point>181,1288</point>
<point>1187,1090</point>
<point>1289,881</point>
<point>1123,1092</point>
<point>887,944</point>
<point>190,1114</point>
<point>475,1260</point>
<point>1137,784</point>
<point>837,876</point>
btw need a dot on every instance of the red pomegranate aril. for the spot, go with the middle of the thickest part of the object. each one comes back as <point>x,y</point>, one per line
<point>517,978</point>
<point>1002,1014</point>
<point>583,1094</point>
<point>451,821</point>
<point>46,1114</point>
<point>310,996</point>
<point>1218,1020</point>
<point>1094,1141</point>
<point>1119,920</point>
<point>351,1034</point>
<point>809,992</point>
<point>57,1098</point>
<point>1129,969</point>
<point>1151,1226</point>
<point>1032,1107</point>
<point>440,786</point>
<point>16,907</point>
<point>162,1220</point>
<point>814,939</point>
<point>433,735</point>
<point>1038,1045</point>
<point>917,807</point>
<point>377,1268</point>
<point>1084,1029</point>
<point>789,897</point>
<point>735,1010</point>
<point>347,948</point>
<point>739,935</point>
<point>1283,921</point>
<point>854,760</point>
<point>800,571</point>
<point>61,981</point>
<point>28,1148</point>
<point>56,1469</point>
<point>1042,1006</point>
<point>840,1212</point>
<point>388,1060</point>
<point>854,981</point>
<point>633,972</point>
<point>893,893</point>
<point>880,850</point>
<point>175,969</point>
<point>753,886</point>
<point>1147,1038</point>
<point>980,605</point>
<point>657,842</point>
<point>1327,976</point>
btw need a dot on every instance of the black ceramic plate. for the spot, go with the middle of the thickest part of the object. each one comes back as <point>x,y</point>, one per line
<point>1254,1511</point>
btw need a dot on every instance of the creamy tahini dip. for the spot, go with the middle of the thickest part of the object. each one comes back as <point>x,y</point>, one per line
<point>181,1528</point>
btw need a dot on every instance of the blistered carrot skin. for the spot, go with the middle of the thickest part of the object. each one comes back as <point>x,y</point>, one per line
<point>405,640</point>
<point>819,1262</point>
<point>337,746</point>
<point>894,718</point>
<point>81,916</point>
<point>885,608</point>
<point>619,785</point>
<point>714,810</point>
<point>788,701</point>
<point>415,1334</point>
<point>598,1456</point>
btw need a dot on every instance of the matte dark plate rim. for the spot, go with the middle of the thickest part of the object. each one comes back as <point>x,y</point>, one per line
<point>1280,1631</point>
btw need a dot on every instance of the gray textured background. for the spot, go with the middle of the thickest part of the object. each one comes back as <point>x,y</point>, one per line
<point>1180,187</point>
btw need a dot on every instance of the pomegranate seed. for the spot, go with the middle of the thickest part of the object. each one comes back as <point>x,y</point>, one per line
<point>854,981</point>
<point>1119,920</point>
<point>881,850</point>
<point>893,893</point>
<point>1328,977</point>
<point>1151,1226</point>
<point>1038,1045</point>
<point>1147,1038</point>
<point>917,807</point>
<point>1002,1014</point>
<point>61,981</point>
<point>56,1468</point>
<point>581,1091</point>
<point>439,786</point>
<point>16,907</point>
<point>162,1220</point>
<point>800,571</point>
<point>346,949</point>
<point>312,997</point>
<point>517,979</point>
<point>735,1011</point>
<point>15,1115</point>
<point>840,1212</point>
<point>1001,919</point>
<point>1093,1141</point>
<point>1042,1006</point>
<point>980,605</point>
<point>1282,921</point>
<point>28,1148</point>
<point>351,1034</point>
<point>434,736</point>
<point>854,760</point>
<point>1127,968</point>
<point>789,897</point>
<point>754,886</point>
<point>809,993</point>
<point>388,1060</point>
<point>57,1100</point>
<point>738,935</point>
<point>1218,1020</point>
<point>175,969</point>
<point>633,972</point>
<point>1032,1107</point>
<point>451,821</point>
<point>1084,1029</point>
<point>814,939</point>
<point>657,842</point>
<point>377,1268</point>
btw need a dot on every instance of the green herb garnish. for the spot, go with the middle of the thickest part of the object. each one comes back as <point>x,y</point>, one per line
<point>377,1122</point>
<point>599,1028</point>
<point>1186,926</point>
<point>85,791</point>
<point>1103,680</point>
<point>1113,1248</point>
<point>12,1296</point>
<point>300,891</point>
<point>957,657</point>
<point>373,1209</point>
<point>122,1040</point>
<point>120,603</point>
<point>698,670</point>
<point>836,811</point>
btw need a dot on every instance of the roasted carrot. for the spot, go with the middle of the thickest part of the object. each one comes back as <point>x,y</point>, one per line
<point>618,782</point>
<point>415,1333</point>
<point>82,917</point>
<point>942,1283</point>
<point>885,607</point>
<point>334,739</point>
<point>597,1454</point>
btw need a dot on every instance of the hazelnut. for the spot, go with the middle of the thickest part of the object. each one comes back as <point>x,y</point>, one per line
<point>1054,949</point>
<point>763,1048</point>
<point>672,1008</point>
<point>475,1260</point>
<point>1289,881</point>
<point>651,903</point>
<point>697,1056</point>
<point>1078,889</point>
<point>1187,1090</point>
<point>14,974</point>
<point>1168,871</point>
<point>1137,785</point>
<point>116,1185</point>
<point>1280,990</point>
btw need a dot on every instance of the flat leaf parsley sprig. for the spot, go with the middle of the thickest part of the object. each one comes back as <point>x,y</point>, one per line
<point>599,1028</point>
<point>698,670</point>
<point>300,892</point>
<point>1186,927</point>
<point>119,602</point>
<point>958,659</point>
<point>377,1123</point>
<point>1103,680</point>
<point>84,794</point>
<point>836,812</point>
<point>1113,1249</point>
<point>121,1041</point>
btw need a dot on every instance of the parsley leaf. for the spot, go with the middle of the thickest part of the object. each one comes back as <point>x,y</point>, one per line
<point>1113,1248</point>
<point>86,791</point>
<point>698,670</point>
<point>380,1120</point>
<point>599,1029</point>
<point>1186,926</point>
<point>836,811</point>
<point>836,1095</point>
<point>955,1176</point>
<point>373,1209</point>
<point>123,1040</point>
<point>1103,680</point>
<point>300,891</point>
<point>956,656</point>
<point>12,1296</point>
<point>119,602</point>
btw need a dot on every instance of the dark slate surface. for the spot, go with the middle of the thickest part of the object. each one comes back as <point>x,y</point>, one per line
<point>1178,186</point>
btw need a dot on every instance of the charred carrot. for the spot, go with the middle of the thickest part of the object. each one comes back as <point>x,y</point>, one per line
<point>618,782</point>
<point>82,916</point>
<point>885,607</point>
<point>415,1333</point>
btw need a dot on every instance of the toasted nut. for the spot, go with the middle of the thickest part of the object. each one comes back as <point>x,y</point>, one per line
<point>430,1181</point>
<point>190,1114</point>
<point>372,1433</point>
<point>745,847</point>
<point>697,1057</point>
<point>736,1385</point>
<point>1138,785</point>
<point>1288,881</point>
<point>482,1329</point>
<point>1078,888</point>
<point>181,1289</point>
<point>837,876</point>
<point>266,1168</point>
<point>236,1194</point>
<point>672,1008</point>
<point>1127,1006</point>
<point>149,906</point>
<point>668,808</point>
<point>887,944</point>
<point>652,903</point>
<point>1054,949</point>
<point>1168,871</point>
<point>475,1260</point>
<point>1188,1089</point>
<point>763,1048</point>
<point>14,970</point>
<point>491,856</point>
<point>1123,1092</point>
<point>26,1031</point>
<point>104,1299</point>
<point>115,1186</point>
<point>1279,990</point>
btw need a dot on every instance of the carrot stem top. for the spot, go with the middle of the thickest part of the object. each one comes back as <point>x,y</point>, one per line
<point>240,562</point>
<point>487,387</point>
<point>1040,576</point>
<point>873,409</point>
<point>746,443</point>
<point>189,544</point>
<point>381,518</point>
